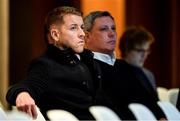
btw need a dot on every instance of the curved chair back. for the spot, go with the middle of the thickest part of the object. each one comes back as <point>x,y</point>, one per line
<point>61,115</point>
<point>102,113</point>
<point>18,116</point>
<point>141,112</point>
<point>40,117</point>
<point>3,115</point>
<point>169,110</point>
<point>162,93</point>
<point>173,95</point>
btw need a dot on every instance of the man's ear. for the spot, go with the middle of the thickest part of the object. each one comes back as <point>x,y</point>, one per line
<point>54,34</point>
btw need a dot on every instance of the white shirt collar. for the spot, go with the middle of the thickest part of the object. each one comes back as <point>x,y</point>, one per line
<point>106,58</point>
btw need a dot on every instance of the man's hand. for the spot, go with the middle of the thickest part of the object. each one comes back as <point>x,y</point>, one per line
<point>25,103</point>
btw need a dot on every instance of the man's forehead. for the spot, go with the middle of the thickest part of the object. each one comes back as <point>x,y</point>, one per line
<point>71,17</point>
<point>103,22</point>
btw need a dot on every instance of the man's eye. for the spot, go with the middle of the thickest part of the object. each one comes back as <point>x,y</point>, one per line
<point>113,28</point>
<point>103,29</point>
<point>72,28</point>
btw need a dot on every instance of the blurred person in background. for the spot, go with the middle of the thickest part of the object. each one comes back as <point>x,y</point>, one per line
<point>133,82</point>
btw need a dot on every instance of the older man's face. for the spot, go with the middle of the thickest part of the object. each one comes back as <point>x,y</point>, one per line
<point>102,37</point>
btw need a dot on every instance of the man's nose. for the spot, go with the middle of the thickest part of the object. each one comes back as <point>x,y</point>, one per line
<point>81,33</point>
<point>112,33</point>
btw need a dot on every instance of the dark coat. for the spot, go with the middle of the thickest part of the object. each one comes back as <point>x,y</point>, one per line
<point>130,84</point>
<point>108,77</point>
<point>59,80</point>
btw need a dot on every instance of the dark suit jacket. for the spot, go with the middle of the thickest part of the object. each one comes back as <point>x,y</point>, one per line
<point>131,85</point>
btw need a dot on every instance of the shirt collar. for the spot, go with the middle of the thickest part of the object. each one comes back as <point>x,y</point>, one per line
<point>106,58</point>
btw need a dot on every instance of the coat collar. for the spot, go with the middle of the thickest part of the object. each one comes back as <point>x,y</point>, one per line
<point>68,55</point>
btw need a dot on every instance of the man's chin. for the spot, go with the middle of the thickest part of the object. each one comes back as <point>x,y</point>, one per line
<point>141,64</point>
<point>79,50</point>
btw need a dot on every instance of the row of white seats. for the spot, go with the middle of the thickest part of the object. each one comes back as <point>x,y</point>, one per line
<point>141,112</point>
<point>100,113</point>
<point>170,95</point>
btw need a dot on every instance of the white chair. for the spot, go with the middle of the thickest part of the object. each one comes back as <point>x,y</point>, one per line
<point>61,115</point>
<point>3,115</point>
<point>173,95</point>
<point>17,116</point>
<point>40,117</point>
<point>169,110</point>
<point>162,93</point>
<point>141,112</point>
<point>102,113</point>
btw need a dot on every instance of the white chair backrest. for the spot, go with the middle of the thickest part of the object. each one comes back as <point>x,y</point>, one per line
<point>169,110</point>
<point>61,115</point>
<point>3,115</point>
<point>162,93</point>
<point>40,117</point>
<point>102,113</point>
<point>173,95</point>
<point>141,112</point>
<point>15,115</point>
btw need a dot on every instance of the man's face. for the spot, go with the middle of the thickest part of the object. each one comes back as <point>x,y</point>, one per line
<point>138,55</point>
<point>102,37</point>
<point>71,34</point>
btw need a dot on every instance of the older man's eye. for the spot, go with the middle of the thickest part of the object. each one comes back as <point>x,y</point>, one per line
<point>103,29</point>
<point>113,28</point>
